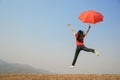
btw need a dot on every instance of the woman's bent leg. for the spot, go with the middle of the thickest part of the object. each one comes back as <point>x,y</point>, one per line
<point>91,50</point>
<point>88,49</point>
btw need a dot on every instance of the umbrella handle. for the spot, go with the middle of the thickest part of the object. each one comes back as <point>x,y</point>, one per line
<point>89,26</point>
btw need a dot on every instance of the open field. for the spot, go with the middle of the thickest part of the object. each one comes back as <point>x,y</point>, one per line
<point>59,76</point>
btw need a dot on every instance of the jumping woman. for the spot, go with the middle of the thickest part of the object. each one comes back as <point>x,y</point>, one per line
<point>80,35</point>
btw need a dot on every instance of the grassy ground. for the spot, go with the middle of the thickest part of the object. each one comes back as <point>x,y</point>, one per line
<point>59,76</point>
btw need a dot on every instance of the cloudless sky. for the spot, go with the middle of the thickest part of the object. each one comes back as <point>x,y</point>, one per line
<point>35,32</point>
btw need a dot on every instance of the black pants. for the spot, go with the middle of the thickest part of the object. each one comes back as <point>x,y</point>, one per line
<point>78,49</point>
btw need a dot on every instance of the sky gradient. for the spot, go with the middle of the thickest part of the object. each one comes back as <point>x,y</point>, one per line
<point>35,32</point>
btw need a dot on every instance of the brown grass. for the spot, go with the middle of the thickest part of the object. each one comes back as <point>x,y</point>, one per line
<point>59,76</point>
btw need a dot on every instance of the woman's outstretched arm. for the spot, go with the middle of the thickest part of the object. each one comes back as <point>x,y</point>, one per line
<point>73,31</point>
<point>87,30</point>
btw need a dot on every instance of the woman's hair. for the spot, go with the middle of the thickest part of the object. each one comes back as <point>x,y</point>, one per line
<point>80,35</point>
<point>80,32</point>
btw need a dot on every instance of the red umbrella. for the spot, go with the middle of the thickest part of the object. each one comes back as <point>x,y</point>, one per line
<point>91,16</point>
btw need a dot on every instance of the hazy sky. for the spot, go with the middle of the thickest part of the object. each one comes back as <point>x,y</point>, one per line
<point>35,32</point>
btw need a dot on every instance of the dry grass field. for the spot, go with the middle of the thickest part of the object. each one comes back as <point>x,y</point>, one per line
<point>59,76</point>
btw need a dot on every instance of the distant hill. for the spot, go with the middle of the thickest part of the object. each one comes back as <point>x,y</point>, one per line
<point>6,67</point>
<point>3,62</point>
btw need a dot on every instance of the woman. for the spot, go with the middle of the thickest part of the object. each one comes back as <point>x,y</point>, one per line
<point>80,35</point>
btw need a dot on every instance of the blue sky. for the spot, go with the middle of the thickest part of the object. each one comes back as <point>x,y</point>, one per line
<point>35,32</point>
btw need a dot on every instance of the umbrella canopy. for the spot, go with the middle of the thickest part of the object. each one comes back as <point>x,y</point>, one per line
<point>91,16</point>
